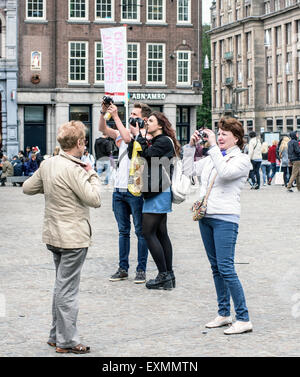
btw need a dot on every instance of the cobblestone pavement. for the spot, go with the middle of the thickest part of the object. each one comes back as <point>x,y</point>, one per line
<point>126,319</point>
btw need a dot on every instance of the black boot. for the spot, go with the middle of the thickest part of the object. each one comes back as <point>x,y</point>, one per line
<point>162,281</point>
<point>173,278</point>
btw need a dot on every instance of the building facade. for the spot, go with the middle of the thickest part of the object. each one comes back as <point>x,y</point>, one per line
<point>61,66</point>
<point>256,63</point>
<point>9,137</point>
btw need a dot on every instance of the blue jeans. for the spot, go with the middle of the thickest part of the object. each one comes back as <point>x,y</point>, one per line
<point>273,169</point>
<point>254,173</point>
<point>104,166</point>
<point>265,172</point>
<point>219,239</point>
<point>124,204</point>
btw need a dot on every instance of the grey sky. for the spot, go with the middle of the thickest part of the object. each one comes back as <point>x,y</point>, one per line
<point>206,4</point>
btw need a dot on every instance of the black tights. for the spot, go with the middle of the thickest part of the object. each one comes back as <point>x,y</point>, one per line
<point>156,235</point>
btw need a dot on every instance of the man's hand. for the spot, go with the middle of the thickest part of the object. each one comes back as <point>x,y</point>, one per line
<point>113,110</point>
<point>87,167</point>
<point>134,130</point>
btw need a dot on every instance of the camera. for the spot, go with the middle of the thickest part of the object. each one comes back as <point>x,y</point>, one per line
<point>202,135</point>
<point>107,100</point>
<point>134,121</point>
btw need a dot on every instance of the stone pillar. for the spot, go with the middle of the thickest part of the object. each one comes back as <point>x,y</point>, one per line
<point>170,113</point>
<point>95,126</point>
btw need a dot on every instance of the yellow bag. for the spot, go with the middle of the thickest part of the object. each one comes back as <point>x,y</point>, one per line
<point>135,172</point>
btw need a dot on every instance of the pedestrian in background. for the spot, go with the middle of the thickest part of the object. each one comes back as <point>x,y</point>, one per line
<point>272,158</point>
<point>7,170</point>
<point>294,157</point>
<point>284,159</point>
<point>255,158</point>
<point>70,187</point>
<point>265,163</point>
<point>219,226</point>
<point>88,158</point>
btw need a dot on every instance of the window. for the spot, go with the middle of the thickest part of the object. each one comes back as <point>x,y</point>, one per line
<point>83,114</point>
<point>78,62</point>
<point>155,63</point>
<point>133,53</point>
<point>278,36</point>
<point>229,17</point>
<point>269,66</point>
<point>130,10</point>
<point>279,92</point>
<point>238,44</point>
<point>279,64</point>
<point>269,125</point>
<point>288,3</point>
<point>184,11</point>
<point>36,9</point>
<point>249,69</point>
<point>269,94</point>
<point>289,125</point>
<point>156,10</point>
<point>239,71</point>
<point>290,91</point>
<point>248,10</point>
<point>183,68</point>
<point>268,38</point>
<point>288,33</point>
<point>279,125</point>
<point>298,99</point>
<point>104,10</point>
<point>78,9</point>
<point>267,7</point>
<point>248,42</point>
<point>288,63</point>
<point>99,64</point>
<point>277,5</point>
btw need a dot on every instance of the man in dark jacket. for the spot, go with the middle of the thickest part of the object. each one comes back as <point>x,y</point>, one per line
<point>294,157</point>
<point>103,151</point>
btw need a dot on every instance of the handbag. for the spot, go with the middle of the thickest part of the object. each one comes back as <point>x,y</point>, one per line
<point>200,206</point>
<point>180,183</point>
<point>279,180</point>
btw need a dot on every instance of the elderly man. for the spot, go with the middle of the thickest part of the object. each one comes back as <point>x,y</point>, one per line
<point>70,187</point>
<point>7,170</point>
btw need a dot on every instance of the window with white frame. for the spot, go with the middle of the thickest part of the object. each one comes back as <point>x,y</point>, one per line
<point>36,9</point>
<point>156,10</point>
<point>279,92</point>
<point>290,91</point>
<point>276,5</point>
<point>155,63</point>
<point>130,10</point>
<point>78,9</point>
<point>183,68</point>
<point>288,3</point>
<point>78,62</point>
<point>104,10</point>
<point>99,63</point>
<point>184,11</point>
<point>133,53</point>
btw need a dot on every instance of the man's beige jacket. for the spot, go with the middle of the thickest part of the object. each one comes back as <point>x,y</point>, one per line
<point>69,190</point>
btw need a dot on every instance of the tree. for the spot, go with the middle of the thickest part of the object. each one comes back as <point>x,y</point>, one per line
<point>204,111</point>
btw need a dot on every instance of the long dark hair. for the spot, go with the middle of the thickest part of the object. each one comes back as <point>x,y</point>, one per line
<point>167,129</point>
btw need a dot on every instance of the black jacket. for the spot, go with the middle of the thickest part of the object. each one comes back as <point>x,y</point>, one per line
<point>103,147</point>
<point>157,174</point>
<point>293,148</point>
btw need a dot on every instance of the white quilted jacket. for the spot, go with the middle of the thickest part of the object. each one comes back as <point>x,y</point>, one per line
<point>233,170</point>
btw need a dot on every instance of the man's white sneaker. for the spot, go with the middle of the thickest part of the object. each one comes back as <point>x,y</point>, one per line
<point>239,327</point>
<point>219,322</point>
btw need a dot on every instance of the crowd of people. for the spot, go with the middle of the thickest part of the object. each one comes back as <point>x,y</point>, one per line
<point>267,160</point>
<point>149,147</point>
<point>22,164</point>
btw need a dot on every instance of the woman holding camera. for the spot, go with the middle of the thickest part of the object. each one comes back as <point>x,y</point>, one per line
<point>157,194</point>
<point>219,226</point>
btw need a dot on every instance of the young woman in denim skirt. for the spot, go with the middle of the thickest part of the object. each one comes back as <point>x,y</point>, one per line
<point>157,195</point>
<point>219,226</point>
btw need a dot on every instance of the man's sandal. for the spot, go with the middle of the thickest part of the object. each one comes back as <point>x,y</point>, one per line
<point>51,344</point>
<point>79,349</point>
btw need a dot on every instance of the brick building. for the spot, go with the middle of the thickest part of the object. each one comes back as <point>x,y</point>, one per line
<point>256,63</point>
<point>61,66</point>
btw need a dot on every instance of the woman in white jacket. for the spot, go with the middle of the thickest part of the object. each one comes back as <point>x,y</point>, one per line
<point>219,227</point>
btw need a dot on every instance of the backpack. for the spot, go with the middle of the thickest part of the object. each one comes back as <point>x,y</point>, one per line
<point>180,183</point>
<point>102,147</point>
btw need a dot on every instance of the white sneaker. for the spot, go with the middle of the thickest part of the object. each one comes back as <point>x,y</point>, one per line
<point>219,322</point>
<point>239,327</point>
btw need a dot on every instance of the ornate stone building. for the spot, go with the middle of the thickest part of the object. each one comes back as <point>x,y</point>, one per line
<point>256,63</point>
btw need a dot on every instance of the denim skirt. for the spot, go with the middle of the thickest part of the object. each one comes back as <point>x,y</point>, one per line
<point>160,203</point>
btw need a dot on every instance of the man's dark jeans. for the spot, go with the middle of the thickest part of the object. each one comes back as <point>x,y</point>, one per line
<point>124,204</point>
<point>254,173</point>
